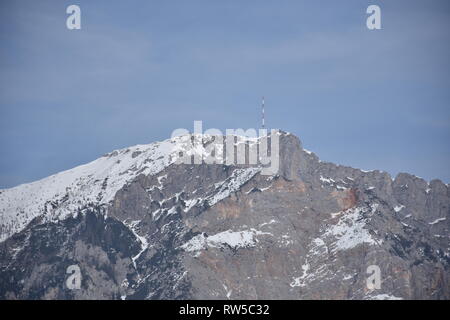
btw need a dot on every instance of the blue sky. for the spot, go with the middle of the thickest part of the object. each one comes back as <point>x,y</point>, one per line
<point>139,69</point>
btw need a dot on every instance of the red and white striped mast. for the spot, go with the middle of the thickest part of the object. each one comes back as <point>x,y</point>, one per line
<point>262,109</point>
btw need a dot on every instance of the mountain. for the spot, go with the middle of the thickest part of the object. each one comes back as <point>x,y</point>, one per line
<point>141,225</point>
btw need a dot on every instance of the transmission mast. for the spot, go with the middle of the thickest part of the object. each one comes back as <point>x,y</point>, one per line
<point>262,114</point>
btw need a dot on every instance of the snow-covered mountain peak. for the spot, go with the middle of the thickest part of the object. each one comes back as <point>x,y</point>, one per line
<point>95,182</point>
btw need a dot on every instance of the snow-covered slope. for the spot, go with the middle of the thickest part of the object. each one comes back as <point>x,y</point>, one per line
<point>96,182</point>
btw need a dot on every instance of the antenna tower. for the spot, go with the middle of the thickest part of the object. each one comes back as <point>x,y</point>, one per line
<point>262,115</point>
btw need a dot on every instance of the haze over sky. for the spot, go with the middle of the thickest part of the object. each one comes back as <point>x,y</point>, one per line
<point>137,70</point>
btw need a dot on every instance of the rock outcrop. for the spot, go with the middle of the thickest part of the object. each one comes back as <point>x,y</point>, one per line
<point>141,226</point>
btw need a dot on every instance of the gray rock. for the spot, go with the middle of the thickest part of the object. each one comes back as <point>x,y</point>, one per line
<point>217,232</point>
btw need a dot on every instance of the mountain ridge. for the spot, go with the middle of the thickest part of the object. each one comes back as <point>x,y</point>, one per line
<point>226,231</point>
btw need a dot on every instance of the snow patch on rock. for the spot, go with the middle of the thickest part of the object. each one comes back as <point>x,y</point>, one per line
<point>237,179</point>
<point>233,239</point>
<point>383,296</point>
<point>437,221</point>
<point>350,230</point>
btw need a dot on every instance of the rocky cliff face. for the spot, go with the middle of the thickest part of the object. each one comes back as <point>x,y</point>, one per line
<point>141,226</point>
